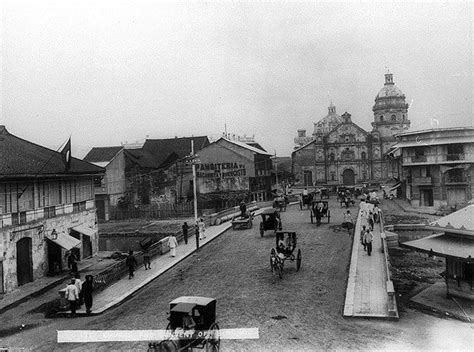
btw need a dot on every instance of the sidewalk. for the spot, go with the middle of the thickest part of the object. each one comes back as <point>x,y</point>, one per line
<point>366,294</point>
<point>122,289</point>
<point>41,285</point>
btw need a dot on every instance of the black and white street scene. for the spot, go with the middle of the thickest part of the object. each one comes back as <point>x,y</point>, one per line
<point>236,176</point>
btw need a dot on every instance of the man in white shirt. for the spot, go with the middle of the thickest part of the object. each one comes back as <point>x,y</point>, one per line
<point>72,295</point>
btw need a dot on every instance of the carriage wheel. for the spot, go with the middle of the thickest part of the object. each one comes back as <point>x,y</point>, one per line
<point>250,224</point>
<point>261,229</point>
<point>328,215</point>
<point>213,340</point>
<point>298,260</point>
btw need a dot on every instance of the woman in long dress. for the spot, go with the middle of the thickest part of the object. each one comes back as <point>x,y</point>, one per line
<point>173,243</point>
<point>202,229</point>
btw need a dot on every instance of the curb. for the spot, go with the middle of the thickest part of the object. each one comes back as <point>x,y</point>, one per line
<point>39,292</point>
<point>130,293</point>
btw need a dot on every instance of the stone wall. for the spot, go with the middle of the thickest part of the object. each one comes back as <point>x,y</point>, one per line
<point>38,231</point>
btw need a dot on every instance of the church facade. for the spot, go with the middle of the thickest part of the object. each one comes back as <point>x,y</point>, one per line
<point>339,152</point>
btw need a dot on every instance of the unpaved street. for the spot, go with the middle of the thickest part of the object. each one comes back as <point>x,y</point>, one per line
<point>301,312</point>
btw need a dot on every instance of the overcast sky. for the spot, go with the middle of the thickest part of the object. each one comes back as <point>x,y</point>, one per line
<point>110,72</point>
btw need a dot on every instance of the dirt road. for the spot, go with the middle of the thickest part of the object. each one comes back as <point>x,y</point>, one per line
<point>301,312</point>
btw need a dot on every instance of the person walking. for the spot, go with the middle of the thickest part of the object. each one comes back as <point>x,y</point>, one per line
<point>131,263</point>
<point>196,233</point>
<point>73,261</point>
<point>72,295</point>
<point>202,229</point>
<point>185,228</point>
<point>368,239</point>
<point>370,220</point>
<point>146,257</point>
<point>173,243</point>
<point>78,284</point>
<point>362,232</point>
<point>243,208</point>
<point>87,289</point>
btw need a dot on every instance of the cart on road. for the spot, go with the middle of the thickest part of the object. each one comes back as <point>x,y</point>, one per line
<point>242,222</point>
<point>319,208</point>
<point>192,325</point>
<point>270,220</point>
<point>284,250</point>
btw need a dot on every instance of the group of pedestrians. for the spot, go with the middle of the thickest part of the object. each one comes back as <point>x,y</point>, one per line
<point>79,293</point>
<point>372,217</point>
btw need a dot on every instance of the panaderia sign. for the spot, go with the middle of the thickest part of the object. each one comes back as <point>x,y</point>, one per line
<point>220,170</point>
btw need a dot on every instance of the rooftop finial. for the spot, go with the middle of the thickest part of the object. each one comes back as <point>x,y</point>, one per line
<point>388,78</point>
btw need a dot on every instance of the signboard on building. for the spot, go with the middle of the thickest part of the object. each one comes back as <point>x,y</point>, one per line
<point>222,176</point>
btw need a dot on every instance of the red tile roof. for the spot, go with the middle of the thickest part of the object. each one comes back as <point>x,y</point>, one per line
<point>21,158</point>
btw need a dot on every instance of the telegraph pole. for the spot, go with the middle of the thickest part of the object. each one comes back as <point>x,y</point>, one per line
<point>193,160</point>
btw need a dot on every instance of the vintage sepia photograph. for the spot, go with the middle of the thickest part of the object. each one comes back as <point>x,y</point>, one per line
<point>205,176</point>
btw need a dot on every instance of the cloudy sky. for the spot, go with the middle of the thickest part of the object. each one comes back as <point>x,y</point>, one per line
<point>110,72</point>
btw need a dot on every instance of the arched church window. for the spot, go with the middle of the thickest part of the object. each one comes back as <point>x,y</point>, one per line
<point>394,117</point>
<point>331,157</point>
<point>381,118</point>
<point>363,155</point>
<point>404,117</point>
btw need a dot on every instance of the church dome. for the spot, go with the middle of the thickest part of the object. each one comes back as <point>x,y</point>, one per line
<point>390,96</point>
<point>327,123</point>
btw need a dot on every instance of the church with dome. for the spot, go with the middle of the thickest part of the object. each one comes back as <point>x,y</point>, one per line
<point>339,152</point>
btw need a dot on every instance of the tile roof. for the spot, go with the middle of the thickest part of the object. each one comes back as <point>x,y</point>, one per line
<point>246,146</point>
<point>162,149</point>
<point>443,245</point>
<point>101,154</point>
<point>461,221</point>
<point>21,158</point>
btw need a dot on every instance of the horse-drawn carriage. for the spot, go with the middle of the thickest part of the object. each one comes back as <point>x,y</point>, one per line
<point>270,220</point>
<point>319,209</point>
<point>284,250</point>
<point>192,325</point>
<point>242,222</point>
<point>306,200</point>
<point>280,203</point>
<point>324,193</point>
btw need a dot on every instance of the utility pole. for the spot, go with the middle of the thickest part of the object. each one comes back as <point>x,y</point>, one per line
<point>193,160</point>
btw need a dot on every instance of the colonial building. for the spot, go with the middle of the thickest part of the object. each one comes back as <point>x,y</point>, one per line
<point>341,152</point>
<point>46,207</point>
<point>143,174</point>
<point>230,170</point>
<point>437,166</point>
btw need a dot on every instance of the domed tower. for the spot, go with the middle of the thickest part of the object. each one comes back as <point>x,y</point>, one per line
<point>327,123</point>
<point>390,110</point>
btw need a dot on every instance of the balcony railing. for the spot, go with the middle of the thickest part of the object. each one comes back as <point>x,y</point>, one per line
<point>454,157</point>
<point>456,179</point>
<point>24,217</point>
<point>418,159</point>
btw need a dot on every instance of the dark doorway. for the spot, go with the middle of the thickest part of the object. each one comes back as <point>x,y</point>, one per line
<point>348,177</point>
<point>86,246</point>
<point>24,264</point>
<point>54,258</point>
<point>100,205</point>
<point>426,197</point>
<point>76,251</point>
<point>2,290</point>
<point>308,178</point>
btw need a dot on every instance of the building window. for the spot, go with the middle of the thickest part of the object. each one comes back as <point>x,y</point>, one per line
<point>363,155</point>
<point>331,157</point>
<point>404,117</point>
<point>381,118</point>
<point>455,152</point>
<point>394,117</point>
<point>333,176</point>
<point>49,212</point>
